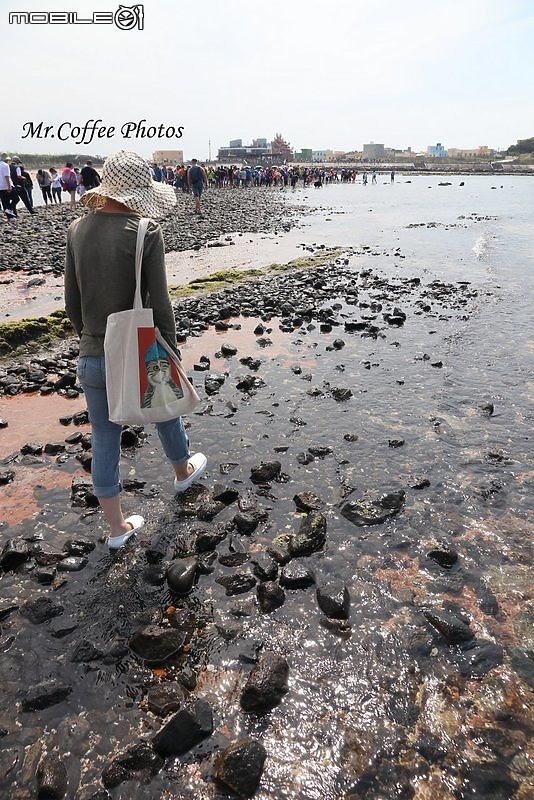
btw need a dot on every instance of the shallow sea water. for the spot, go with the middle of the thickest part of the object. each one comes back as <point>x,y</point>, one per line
<point>385,712</point>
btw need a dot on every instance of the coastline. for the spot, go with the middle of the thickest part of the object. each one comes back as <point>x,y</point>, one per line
<point>357,379</point>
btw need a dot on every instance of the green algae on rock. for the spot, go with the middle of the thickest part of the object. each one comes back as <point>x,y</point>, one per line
<point>17,336</point>
<point>224,278</point>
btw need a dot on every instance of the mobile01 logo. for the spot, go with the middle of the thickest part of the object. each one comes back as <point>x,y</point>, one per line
<point>125,17</point>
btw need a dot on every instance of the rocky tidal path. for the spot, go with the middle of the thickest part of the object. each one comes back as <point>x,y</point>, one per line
<point>340,609</point>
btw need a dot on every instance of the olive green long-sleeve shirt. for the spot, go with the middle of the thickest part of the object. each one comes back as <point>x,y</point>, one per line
<point>100,276</point>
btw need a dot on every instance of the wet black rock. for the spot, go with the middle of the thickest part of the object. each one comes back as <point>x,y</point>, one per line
<point>279,548</point>
<point>239,583</point>
<point>431,748</point>
<point>185,729</point>
<point>228,349</point>
<point>6,611</point>
<point>54,448</point>
<point>307,501</point>
<point>486,600</point>
<point>154,644</point>
<point>334,600</point>
<point>246,523</point>
<point>523,663</point>
<point>52,780</point>
<point>224,494</point>
<point>78,547</point>
<point>81,493</point>
<point>304,458</point>
<point>341,394</point>
<point>265,472</point>
<point>208,510</point>
<point>234,556</point>
<point>264,567</point>
<point>129,437</point>
<point>418,483</point>
<point>40,609</point>
<point>44,695</point>
<point>270,596</point>
<point>84,652</point>
<point>454,629</point>
<point>488,409</point>
<point>311,535</point>
<point>395,443</point>
<point>320,451</point>
<point>490,781</point>
<point>14,553</point>
<point>208,539</point>
<point>443,553</point>
<point>32,449</point>
<point>373,512</point>
<point>478,657</point>
<point>296,576</point>
<point>212,383</point>
<point>240,767</point>
<point>6,476</point>
<point>72,564</point>
<point>155,574</point>
<point>266,685</point>
<point>181,576</point>
<point>165,698</point>
<point>137,758</point>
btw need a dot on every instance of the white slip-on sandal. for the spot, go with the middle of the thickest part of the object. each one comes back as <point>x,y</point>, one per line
<point>136,521</point>
<point>199,463</point>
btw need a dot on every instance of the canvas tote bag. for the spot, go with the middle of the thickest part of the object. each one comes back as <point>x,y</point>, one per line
<point>145,380</point>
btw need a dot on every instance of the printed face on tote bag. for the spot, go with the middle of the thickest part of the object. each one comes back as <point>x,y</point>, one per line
<point>159,382</point>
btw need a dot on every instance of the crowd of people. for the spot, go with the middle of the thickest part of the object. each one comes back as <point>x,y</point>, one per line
<point>17,185</point>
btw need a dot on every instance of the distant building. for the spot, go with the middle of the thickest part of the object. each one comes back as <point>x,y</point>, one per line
<point>305,155</point>
<point>436,150</point>
<point>483,151</point>
<point>235,153</point>
<point>372,151</point>
<point>168,157</point>
<point>321,155</point>
<point>275,152</point>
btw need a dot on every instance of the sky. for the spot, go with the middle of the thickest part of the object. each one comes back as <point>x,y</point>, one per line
<point>326,75</point>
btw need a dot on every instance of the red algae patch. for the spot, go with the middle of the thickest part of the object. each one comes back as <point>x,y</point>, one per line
<point>34,418</point>
<point>18,498</point>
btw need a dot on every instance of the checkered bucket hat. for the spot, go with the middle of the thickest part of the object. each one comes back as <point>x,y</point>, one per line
<point>126,178</point>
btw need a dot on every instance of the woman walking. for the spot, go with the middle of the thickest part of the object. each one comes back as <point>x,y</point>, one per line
<point>44,179</point>
<point>100,280</point>
<point>56,185</point>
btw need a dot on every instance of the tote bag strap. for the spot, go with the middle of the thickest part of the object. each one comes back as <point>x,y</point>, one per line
<point>141,231</point>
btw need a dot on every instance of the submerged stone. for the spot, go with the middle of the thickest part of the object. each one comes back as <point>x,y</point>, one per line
<point>185,729</point>
<point>154,644</point>
<point>52,780</point>
<point>266,684</point>
<point>373,512</point>
<point>450,626</point>
<point>240,767</point>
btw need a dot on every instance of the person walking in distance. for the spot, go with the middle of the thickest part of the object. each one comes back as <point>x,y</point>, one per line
<point>7,190</point>
<point>100,280</point>
<point>56,185</point>
<point>44,179</point>
<point>197,182</point>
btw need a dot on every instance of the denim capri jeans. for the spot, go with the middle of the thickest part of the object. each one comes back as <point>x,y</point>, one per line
<point>106,435</point>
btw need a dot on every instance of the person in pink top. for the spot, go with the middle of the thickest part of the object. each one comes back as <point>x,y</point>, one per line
<point>69,182</point>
